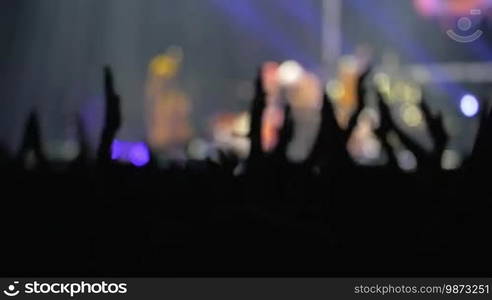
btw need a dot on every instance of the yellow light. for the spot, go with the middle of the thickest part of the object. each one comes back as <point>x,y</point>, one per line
<point>164,65</point>
<point>335,90</point>
<point>241,125</point>
<point>411,115</point>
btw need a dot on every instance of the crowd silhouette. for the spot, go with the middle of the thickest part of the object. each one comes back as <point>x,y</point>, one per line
<point>323,216</point>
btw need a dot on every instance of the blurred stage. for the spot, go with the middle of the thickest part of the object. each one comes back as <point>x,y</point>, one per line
<point>53,51</point>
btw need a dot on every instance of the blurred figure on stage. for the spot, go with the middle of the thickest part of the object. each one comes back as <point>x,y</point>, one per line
<point>168,107</point>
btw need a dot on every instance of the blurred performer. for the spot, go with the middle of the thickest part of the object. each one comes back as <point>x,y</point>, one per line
<point>347,73</point>
<point>304,97</point>
<point>168,108</point>
<point>363,144</point>
<point>349,69</point>
<point>289,82</point>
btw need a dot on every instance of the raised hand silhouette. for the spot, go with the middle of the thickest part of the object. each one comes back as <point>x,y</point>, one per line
<point>257,152</point>
<point>437,131</point>
<point>83,156</point>
<point>32,141</point>
<point>413,146</point>
<point>426,160</point>
<point>285,136</point>
<point>228,161</point>
<point>330,147</point>
<point>112,121</point>
<point>360,104</point>
<point>385,126</point>
<point>257,107</point>
<point>480,159</point>
<point>330,139</point>
<point>482,147</point>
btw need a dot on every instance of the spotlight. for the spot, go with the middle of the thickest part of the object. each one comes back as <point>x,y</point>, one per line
<point>289,72</point>
<point>469,105</point>
<point>136,153</point>
<point>139,155</point>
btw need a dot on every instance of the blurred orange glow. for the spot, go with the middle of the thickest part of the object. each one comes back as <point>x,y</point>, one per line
<point>168,108</point>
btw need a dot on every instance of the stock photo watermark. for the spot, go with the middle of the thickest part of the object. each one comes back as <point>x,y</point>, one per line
<point>70,289</point>
<point>465,24</point>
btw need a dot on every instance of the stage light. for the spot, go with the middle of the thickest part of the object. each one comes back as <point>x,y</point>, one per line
<point>116,150</point>
<point>289,72</point>
<point>136,153</point>
<point>242,124</point>
<point>139,155</point>
<point>469,105</point>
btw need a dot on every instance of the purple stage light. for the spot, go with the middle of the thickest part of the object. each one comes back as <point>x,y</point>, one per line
<point>116,150</point>
<point>139,155</point>
<point>136,153</point>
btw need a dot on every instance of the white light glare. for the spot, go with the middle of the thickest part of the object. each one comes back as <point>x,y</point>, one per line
<point>469,105</point>
<point>289,72</point>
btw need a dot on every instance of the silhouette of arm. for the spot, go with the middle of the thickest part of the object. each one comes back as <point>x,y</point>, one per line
<point>330,140</point>
<point>285,134</point>
<point>82,141</point>
<point>382,133</point>
<point>436,129</point>
<point>483,141</point>
<point>112,119</point>
<point>256,111</point>
<point>409,143</point>
<point>361,100</point>
<point>32,141</point>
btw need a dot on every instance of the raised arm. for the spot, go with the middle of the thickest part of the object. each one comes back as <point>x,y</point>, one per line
<point>112,121</point>
<point>360,103</point>
<point>32,141</point>
<point>256,112</point>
